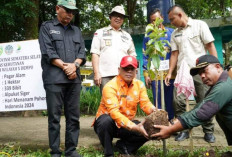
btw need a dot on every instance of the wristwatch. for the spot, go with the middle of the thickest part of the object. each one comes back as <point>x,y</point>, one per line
<point>77,65</point>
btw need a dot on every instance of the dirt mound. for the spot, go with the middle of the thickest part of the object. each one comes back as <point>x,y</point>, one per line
<point>158,117</point>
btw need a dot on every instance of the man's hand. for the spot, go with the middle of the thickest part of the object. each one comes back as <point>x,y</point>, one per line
<point>69,68</point>
<point>72,76</point>
<point>165,132</point>
<point>167,79</point>
<point>97,79</point>
<point>140,129</point>
<point>148,81</point>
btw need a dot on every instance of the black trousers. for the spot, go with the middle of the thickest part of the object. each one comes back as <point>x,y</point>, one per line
<point>226,129</point>
<point>106,130</point>
<point>67,95</point>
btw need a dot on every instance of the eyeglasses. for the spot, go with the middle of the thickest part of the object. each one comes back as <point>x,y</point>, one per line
<point>117,15</point>
<point>69,11</point>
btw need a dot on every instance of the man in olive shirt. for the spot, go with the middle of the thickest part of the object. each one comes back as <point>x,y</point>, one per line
<point>218,100</point>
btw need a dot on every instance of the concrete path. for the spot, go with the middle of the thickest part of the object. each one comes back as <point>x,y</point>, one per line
<point>31,133</point>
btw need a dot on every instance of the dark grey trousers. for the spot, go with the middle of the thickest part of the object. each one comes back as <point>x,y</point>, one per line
<point>106,130</point>
<point>67,95</point>
<point>179,102</point>
<point>226,129</point>
<point>104,80</point>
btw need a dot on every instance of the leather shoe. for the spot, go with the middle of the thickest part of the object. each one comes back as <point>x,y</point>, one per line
<point>209,137</point>
<point>55,155</point>
<point>121,147</point>
<point>182,136</point>
<point>74,154</point>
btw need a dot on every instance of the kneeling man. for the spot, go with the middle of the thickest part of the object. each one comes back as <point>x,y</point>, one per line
<point>114,118</point>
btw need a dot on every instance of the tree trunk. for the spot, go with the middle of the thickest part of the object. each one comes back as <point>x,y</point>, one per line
<point>31,23</point>
<point>31,32</point>
<point>131,5</point>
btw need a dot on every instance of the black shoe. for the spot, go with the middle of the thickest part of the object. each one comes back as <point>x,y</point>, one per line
<point>209,137</point>
<point>182,136</point>
<point>74,154</point>
<point>55,155</point>
<point>121,147</point>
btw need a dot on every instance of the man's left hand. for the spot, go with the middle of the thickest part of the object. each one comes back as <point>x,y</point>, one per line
<point>72,76</point>
<point>140,129</point>
<point>69,68</point>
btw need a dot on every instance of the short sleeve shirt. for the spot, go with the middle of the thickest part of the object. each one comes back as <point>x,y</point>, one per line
<point>120,101</point>
<point>111,45</point>
<point>190,41</point>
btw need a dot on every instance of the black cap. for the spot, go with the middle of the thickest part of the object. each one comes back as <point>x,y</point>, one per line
<point>203,62</point>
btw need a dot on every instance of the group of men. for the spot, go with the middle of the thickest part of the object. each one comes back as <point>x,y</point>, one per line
<point>115,67</point>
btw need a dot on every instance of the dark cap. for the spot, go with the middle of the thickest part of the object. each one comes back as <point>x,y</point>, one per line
<point>129,60</point>
<point>203,62</point>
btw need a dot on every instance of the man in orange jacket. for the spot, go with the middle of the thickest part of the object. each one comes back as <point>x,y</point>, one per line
<point>114,118</point>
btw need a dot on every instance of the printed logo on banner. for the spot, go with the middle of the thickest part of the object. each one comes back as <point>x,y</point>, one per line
<point>18,49</point>
<point>1,50</point>
<point>9,49</point>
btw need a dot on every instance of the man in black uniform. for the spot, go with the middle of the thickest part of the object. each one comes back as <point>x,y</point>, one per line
<point>63,51</point>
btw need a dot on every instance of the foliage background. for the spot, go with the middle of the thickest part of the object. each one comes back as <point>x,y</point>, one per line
<point>21,19</point>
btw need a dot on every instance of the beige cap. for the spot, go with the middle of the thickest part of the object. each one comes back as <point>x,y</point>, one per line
<point>119,9</point>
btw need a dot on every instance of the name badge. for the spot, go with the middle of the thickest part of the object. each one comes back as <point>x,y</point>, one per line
<point>54,32</point>
<point>108,42</point>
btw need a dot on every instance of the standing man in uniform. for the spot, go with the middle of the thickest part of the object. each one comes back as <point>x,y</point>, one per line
<point>190,40</point>
<point>168,90</point>
<point>63,51</point>
<point>218,100</point>
<point>108,47</point>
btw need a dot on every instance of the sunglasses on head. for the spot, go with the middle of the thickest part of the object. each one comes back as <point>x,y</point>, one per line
<point>69,11</point>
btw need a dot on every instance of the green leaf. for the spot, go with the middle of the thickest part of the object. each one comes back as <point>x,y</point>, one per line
<point>152,35</point>
<point>150,42</point>
<point>149,28</point>
<point>163,53</point>
<point>157,46</point>
<point>151,74</point>
<point>156,61</point>
<point>150,50</point>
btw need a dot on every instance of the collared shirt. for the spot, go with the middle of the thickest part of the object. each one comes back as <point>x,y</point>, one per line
<point>190,41</point>
<point>120,101</point>
<point>218,101</point>
<point>111,45</point>
<point>57,42</point>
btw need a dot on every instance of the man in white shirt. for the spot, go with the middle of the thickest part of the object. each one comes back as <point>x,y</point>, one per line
<point>190,40</point>
<point>109,45</point>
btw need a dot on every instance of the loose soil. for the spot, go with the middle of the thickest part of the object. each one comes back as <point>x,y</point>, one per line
<point>159,117</point>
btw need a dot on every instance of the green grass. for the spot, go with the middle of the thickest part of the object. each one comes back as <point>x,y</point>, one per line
<point>144,151</point>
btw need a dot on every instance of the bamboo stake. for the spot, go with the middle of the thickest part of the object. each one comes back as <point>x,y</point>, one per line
<point>163,107</point>
<point>190,130</point>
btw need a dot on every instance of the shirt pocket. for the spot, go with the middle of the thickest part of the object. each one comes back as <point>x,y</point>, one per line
<point>106,41</point>
<point>57,41</point>
<point>76,45</point>
<point>195,40</point>
<point>125,46</point>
